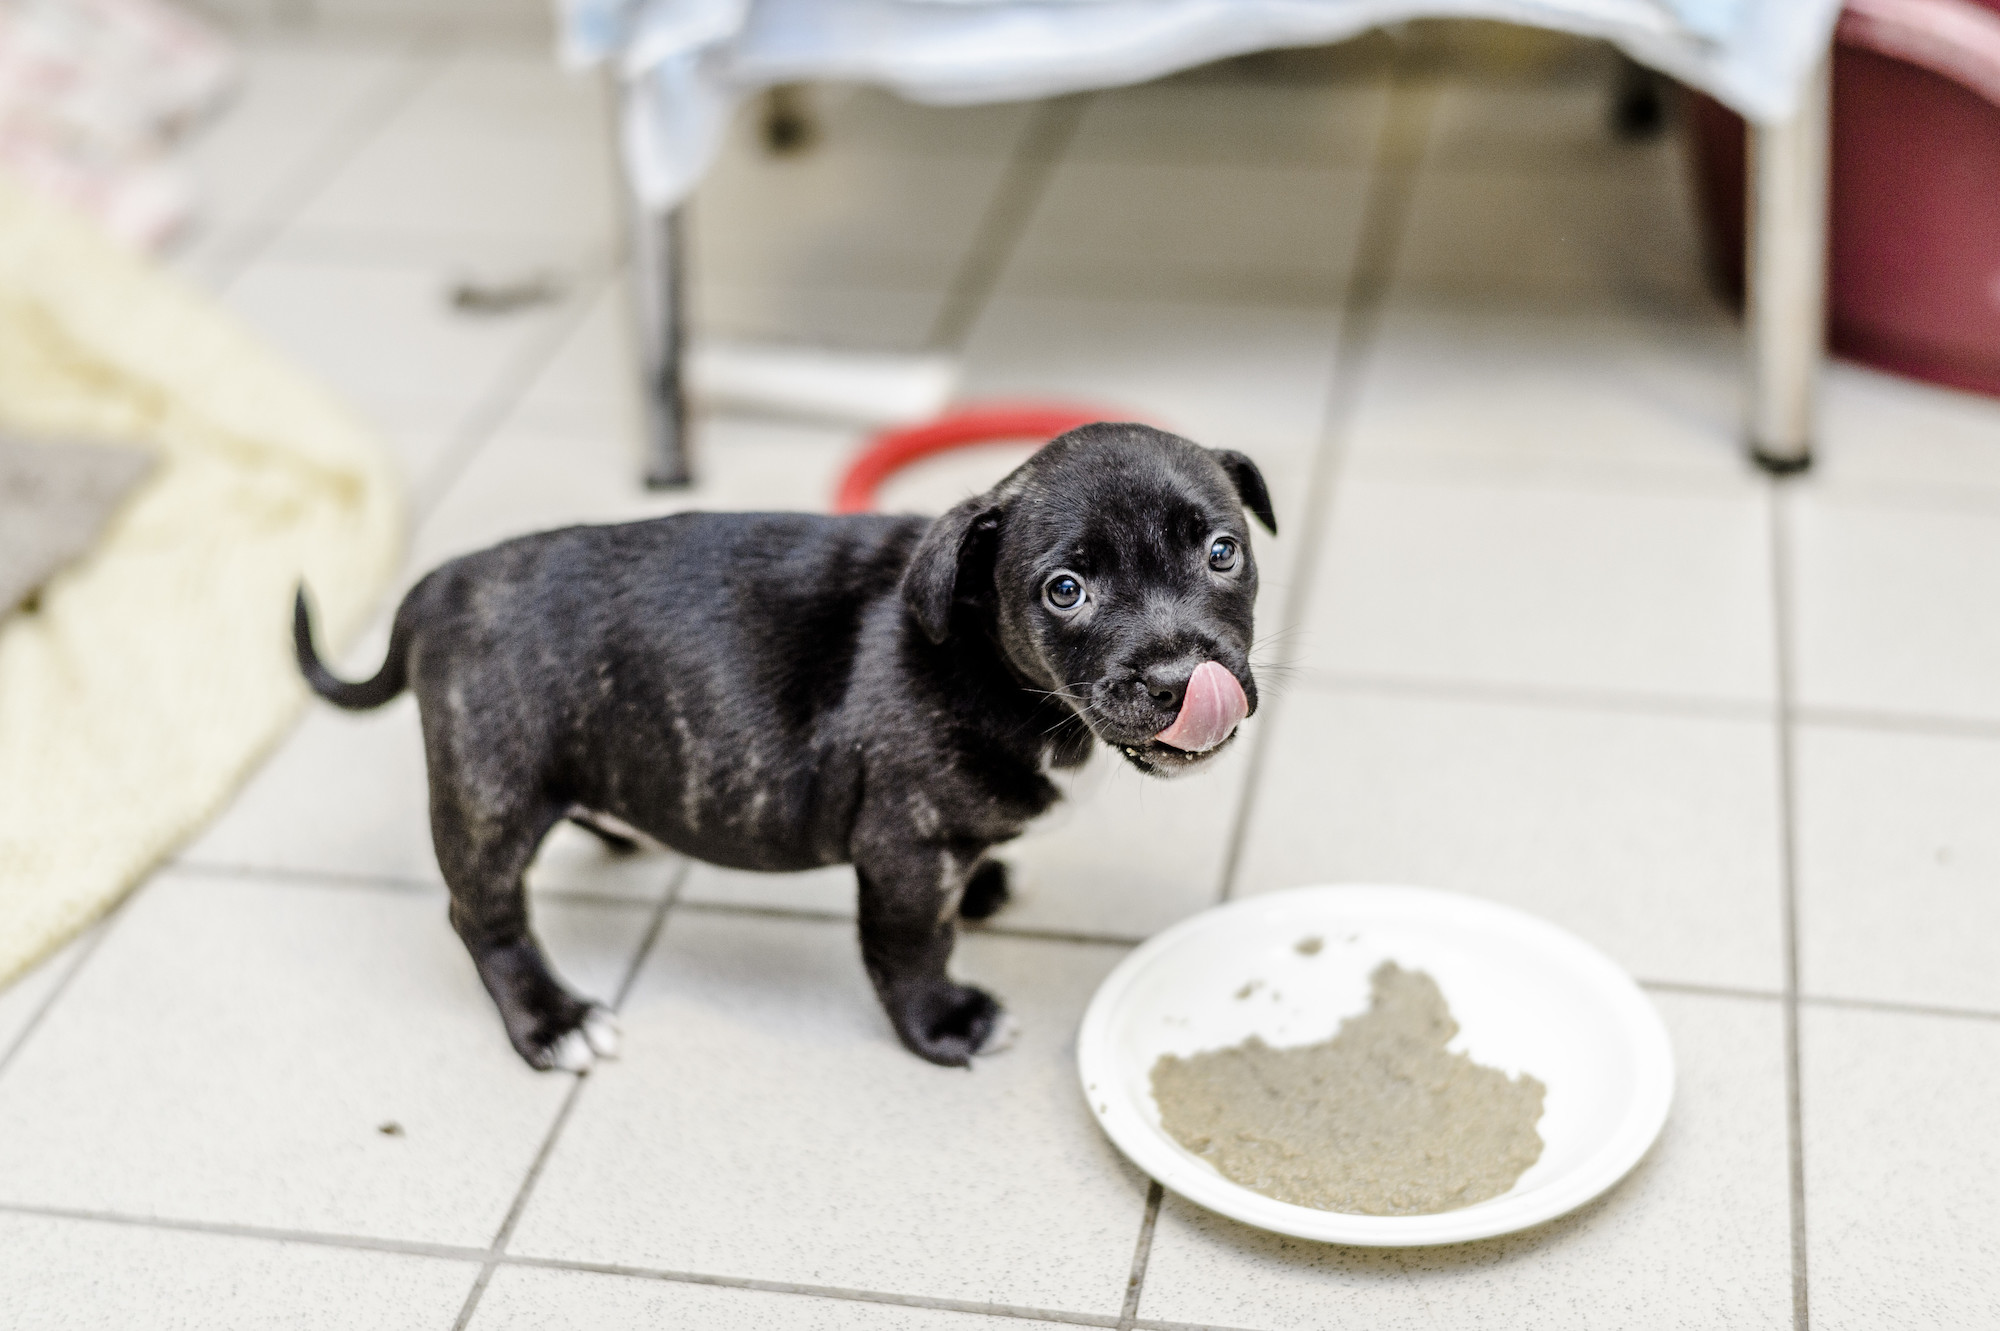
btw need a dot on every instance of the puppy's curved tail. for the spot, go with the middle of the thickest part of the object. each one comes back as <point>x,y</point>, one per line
<point>389,681</point>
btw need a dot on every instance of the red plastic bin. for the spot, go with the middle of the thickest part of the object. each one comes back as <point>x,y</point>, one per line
<point>1914,244</point>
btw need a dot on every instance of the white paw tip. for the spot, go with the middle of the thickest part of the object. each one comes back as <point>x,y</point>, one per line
<point>571,1053</point>
<point>1005,1032</point>
<point>600,1030</point>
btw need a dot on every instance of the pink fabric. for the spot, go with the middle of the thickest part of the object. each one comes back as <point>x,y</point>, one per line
<point>1210,710</point>
<point>1958,39</point>
<point>93,94</point>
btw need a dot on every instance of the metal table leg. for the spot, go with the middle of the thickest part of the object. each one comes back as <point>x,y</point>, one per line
<point>1786,318</point>
<point>656,274</point>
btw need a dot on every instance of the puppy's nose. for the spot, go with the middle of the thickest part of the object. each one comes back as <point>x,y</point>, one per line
<point>1167,683</point>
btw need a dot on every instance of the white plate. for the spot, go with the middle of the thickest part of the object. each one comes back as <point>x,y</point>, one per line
<point>1528,997</point>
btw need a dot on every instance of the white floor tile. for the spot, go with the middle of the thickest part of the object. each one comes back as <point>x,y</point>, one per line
<point>1248,378</point>
<point>1885,435</point>
<point>1534,123</point>
<point>484,86</point>
<point>23,998</point>
<point>1654,837</point>
<point>527,1299</point>
<point>1226,232</point>
<point>822,315</point>
<point>1898,858</point>
<point>495,146</point>
<point>1526,394</point>
<point>1697,1236</point>
<point>1218,122</point>
<point>764,1123</point>
<point>1558,234</point>
<point>843,218</point>
<point>1599,589</point>
<point>344,794</point>
<point>593,374</point>
<point>80,1275</point>
<point>1901,1215</point>
<point>1894,606</point>
<point>234,1047</point>
<point>296,103</point>
<point>385,332</point>
<point>1126,855</point>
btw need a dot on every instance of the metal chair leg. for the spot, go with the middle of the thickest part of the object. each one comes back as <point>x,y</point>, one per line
<point>656,270</point>
<point>1786,317</point>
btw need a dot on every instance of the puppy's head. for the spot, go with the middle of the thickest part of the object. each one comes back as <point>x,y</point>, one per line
<point>1114,570</point>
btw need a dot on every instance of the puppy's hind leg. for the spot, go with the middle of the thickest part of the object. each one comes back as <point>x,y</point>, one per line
<point>909,907</point>
<point>484,853</point>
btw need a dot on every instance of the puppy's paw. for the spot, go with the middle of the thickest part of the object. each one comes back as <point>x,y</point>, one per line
<point>950,1023</point>
<point>985,893</point>
<point>1001,1038</point>
<point>600,1029</point>
<point>592,1038</point>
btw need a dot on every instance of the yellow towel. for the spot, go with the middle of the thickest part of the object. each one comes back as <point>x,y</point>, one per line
<point>158,670</point>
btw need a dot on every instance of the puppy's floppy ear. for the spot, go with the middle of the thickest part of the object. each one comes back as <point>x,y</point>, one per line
<point>930,583</point>
<point>1249,483</point>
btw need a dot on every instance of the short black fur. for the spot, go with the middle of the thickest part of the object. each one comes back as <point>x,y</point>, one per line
<point>777,692</point>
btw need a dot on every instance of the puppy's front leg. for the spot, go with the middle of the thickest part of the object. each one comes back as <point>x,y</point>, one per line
<point>909,922</point>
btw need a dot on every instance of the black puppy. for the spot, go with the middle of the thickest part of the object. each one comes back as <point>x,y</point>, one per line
<point>781,691</point>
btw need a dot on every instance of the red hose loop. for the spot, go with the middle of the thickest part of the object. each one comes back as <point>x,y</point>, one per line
<point>1954,39</point>
<point>993,422</point>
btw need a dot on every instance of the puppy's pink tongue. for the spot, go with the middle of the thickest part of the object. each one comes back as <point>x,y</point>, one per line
<point>1210,709</point>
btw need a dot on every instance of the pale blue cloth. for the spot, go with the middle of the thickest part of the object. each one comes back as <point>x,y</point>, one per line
<point>687,62</point>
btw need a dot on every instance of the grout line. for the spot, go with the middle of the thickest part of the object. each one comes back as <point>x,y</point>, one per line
<point>1015,200</point>
<point>573,896</point>
<point>1535,695</point>
<point>1908,723</point>
<point>461,1253</point>
<point>1711,990</point>
<point>816,1291</point>
<point>758,910</point>
<point>520,1204</point>
<point>320,165</point>
<point>1781,599</point>
<point>222,1229</point>
<point>1031,933</point>
<point>1039,934</point>
<point>505,1233</point>
<point>971,929</point>
<point>1722,709</point>
<point>509,387</point>
<point>326,877</point>
<point>1886,1006</point>
<point>1399,150</point>
<point>652,935</point>
<point>1142,1253</point>
<point>561,255</point>
<point>1894,1008</point>
<point>86,949</point>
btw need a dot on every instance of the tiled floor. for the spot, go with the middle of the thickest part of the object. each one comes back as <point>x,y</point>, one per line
<point>1533,632</point>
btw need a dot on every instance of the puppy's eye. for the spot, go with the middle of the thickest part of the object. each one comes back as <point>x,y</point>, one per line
<point>1064,592</point>
<point>1222,554</point>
